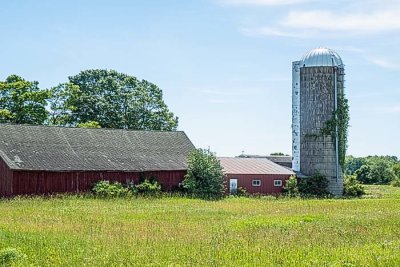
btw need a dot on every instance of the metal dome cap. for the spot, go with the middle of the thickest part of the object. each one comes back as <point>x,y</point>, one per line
<point>320,57</point>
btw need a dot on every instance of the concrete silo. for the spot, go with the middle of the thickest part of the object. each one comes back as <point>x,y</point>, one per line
<point>317,87</point>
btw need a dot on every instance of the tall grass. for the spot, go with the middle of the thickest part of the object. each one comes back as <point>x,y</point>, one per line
<point>175,231</point>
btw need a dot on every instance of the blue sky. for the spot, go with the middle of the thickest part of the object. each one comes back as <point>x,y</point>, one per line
<point>224,65</point>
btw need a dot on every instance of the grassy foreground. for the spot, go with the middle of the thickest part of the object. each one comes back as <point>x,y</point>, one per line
<point>77,231</point>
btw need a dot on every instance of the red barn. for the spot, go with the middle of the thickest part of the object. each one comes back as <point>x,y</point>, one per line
<point>256,175</point>
<point>46,160</point>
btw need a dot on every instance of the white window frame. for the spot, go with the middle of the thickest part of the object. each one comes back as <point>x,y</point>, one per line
<point>277,183</point>
<point>256,182</point>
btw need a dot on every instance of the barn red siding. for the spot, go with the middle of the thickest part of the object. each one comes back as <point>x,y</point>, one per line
<point>6,175</point>
<point>40,182</point>
<point>267,182</point>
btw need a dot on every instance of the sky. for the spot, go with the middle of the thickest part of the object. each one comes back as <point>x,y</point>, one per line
<point>224,65</point>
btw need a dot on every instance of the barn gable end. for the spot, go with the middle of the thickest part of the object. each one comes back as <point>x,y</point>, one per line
<point>6,176</point>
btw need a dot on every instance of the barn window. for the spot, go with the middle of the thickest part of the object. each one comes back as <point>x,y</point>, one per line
<point>256,183</point>
<point>277,182</point>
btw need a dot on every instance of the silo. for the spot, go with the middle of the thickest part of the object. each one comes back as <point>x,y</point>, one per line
<point>317,84</point>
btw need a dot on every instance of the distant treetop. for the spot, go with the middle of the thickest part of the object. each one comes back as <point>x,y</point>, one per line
<point>112,100</point>
<point>278,154</point>
<point>22,101</point>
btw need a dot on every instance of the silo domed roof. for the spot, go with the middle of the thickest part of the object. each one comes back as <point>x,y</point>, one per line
<point>321,57</point>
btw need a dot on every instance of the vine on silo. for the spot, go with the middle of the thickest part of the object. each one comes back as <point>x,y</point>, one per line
<point>341,118</point>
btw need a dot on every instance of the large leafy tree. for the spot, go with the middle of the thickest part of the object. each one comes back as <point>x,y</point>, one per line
<point>61,104</point>
<point>381,172</point>
<point>22,101</point>
<point>373,169</point>
<point>352,164</point>
<point>363,174</point>
<point>113,99</point>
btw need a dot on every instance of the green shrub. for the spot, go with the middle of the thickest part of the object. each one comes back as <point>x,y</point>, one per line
<point>204,177</point>
<point>396,182</point>
<point>256,195</point>
<point>9,256</point>
<point>242,192</point>
<point>131,188</point>
<point>105,189</point>
<point>148,187</point>
<point>291,188</point>
<point>315,185</point>
<point>352,188</point>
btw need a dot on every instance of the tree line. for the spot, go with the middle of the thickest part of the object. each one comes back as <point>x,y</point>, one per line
<point>92,98</point>
<point>374,169</point>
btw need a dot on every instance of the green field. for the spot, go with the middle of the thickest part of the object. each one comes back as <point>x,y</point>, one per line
<point>82,231</point>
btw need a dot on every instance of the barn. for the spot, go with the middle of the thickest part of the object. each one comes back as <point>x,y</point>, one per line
<point>47,160</point>
<point>256,175</point>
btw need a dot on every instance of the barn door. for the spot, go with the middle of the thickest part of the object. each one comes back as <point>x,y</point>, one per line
<point>233,185</point>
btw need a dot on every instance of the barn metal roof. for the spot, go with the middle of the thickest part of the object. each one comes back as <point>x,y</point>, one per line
<point>26,147</point>
<point>252,166</point>
<point>274,158</point>
<point>280,159</point>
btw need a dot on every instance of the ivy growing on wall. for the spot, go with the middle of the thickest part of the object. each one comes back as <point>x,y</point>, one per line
<point>341,118</point>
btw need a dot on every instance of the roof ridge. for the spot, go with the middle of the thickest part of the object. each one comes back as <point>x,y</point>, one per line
<point>70,127</point>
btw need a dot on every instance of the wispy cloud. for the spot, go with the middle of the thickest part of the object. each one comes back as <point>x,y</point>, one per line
<point>380,61</point>
<point>261,2</point>
<point>389,110</point>
<point>383,62</point>
<point>395,109</point>
<point>323,23</point>
<point>271,31</point>
<point>379,21</point>
<point>353,49</point>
